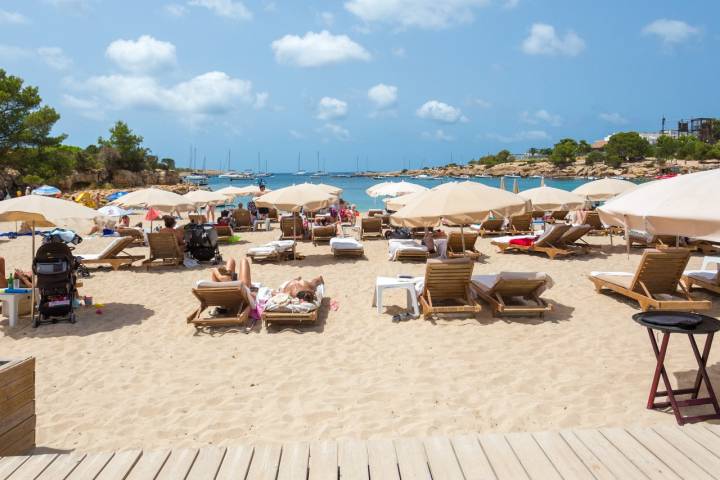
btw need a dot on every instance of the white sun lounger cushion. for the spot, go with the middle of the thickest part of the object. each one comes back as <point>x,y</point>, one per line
<point>487,282</point>
<point>403,245</point>
<point>345,243</point>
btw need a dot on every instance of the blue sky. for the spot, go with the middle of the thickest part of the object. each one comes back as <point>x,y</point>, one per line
<point>393,82</point>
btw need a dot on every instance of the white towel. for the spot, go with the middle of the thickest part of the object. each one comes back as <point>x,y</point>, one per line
<point>403,245</point>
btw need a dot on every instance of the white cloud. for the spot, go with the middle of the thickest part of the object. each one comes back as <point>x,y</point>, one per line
<point>541,116</point>
<point>340,133</point>
<point>481,103</point>
<point>326,18</point>
<point>55,57</point>
<point>175,9</point>
<point>511,3</point>
<point>87,108</point>
<point>261,100</point>
<point>225,8</point>
<point>440,112</point>
<point>523,136</point>
<point>438,135</point>
<point>671,31</point>
<point>329,108</point>
<point>383,96</point>
<point>317,49</point>
<point>432,14</point>
<point>296,135</point>
<point>615,118</point>
<point>398,51</point>
<point>543,40</point>
<point>7,17</point>
<point>145,54</point>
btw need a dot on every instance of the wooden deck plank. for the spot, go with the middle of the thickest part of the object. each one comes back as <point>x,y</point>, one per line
<point>382,460</point>
<point>353,460</point>
<point>9,464</point>
<point>704,437</point>
<point>441,459</point>
<point>589,459</point>
<point>120,465</point>
<point>149,465</point>
<point>33,467</point>
<point>532,457</point>
<point>323,461</point>
<point>265,461</point>
<point>643,458</point>
<point>567,463</point>
<point>472,459</point>
<point>614,460</point>
<point>62,466</point>
<point>713,428</point>
<point>207,463</point>
<point>502,458</point>
<point>91,466</point>
<point>294,461</point>
<point>178,464</point>
<point>236,463</point>
<point>671,456</point>
<point>692,449</point>
<point>412,461</point>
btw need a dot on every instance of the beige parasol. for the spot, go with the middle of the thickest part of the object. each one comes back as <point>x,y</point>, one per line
<point>156,198</point>
<point>232,192</point>
<point>394,189</point>
<point>552,199</point>
<point>332,190</point>
<point>686,205</point>
<point>293,198</point>
<point>205,197</point>
<point>604,189</point>
<point>396,203</point>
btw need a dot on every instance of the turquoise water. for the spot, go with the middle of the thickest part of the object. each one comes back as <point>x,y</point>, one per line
<point>354,187</point>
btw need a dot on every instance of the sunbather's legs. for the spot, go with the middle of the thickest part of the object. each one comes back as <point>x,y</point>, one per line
<point>244,275</point>
<point>224,274</point>
<point>339,229</point>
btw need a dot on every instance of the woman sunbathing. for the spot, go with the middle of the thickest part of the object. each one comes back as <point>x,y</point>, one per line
<point>24,277</point>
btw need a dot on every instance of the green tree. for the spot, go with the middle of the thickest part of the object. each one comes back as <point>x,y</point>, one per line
<point>504,156</point>
<point>584,147</point>
<point>627,146</point>
<point>594,157</point>
<point>666,147</point>
<point>564,151</point>
<point>131,155</point>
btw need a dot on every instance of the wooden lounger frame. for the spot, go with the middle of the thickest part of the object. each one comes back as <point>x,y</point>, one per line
<point>274,256</point>
<point>521,224</point>
<point>164,250</point>
<point>493,226</point>
<point>287,232</point>
<point>197,218</point>
<point>137,235</point>
<point>691,282</point>
<point>116,257</point>
<point>448,280</point>
<point>500,295</point>
<point>243,220</point>
<point>411,256</point>
<point>348,252</point>
<point>224,233</point>
<point>455,245</point>
<point>232,298</point>
<point>659,272</point>
<point>549,248</point>
<point>322,233</point>
<point>371,227</point>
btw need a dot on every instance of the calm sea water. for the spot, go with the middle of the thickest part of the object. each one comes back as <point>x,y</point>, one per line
<point>354,187</point>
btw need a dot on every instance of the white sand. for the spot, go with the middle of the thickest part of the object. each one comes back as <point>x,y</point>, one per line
<point>139,376</point>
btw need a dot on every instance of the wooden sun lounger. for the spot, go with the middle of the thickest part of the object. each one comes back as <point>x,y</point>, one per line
<point>290,232</point>
<point>493,226</point>
<point>114,255</point>
<point>573,239</point>
<point>370,227</point>
<point>224,233</point>
<point>243,220</point>
<point>273,255</point>
<point>559,215</point>
<point>656,282</point>
<point>455,245</point>
<point>273,214</point>
<point>348,252</point>
<point>513,294</point>
<point>233,298</point>
<point>292,318</point>
<point>322,233</point>
<point>197,218</point>
<point>164,250</point>
<point>418,233</point>
<point>547,243</point>
<point>655,241</point>
<point>137,235</point>
<point>707,277</point>
<point>593,219</point>
<point>521,224</point>
<point>448,288</point>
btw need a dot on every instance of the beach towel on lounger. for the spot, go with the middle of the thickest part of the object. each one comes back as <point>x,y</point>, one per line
<point>277,301</point>
<point>487,282</point>
<point>345,243</point>
<point>398,245</point>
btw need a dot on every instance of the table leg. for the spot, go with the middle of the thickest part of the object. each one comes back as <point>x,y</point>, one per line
<point>704,358</point>
<point>12,312</point>
<point>378,295</point>
<point>660,371</point>
<point>703,371</point>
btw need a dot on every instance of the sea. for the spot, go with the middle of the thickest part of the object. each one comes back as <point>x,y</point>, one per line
<point>354,187</point>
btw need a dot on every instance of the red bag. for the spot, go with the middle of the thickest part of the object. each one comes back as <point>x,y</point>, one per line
<point>523,242</point>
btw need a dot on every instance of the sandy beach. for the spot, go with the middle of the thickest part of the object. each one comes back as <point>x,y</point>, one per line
<point>138,376</point>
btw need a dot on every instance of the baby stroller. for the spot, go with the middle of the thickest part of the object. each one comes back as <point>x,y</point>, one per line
<point>201,242</point>
<point>55,270</point>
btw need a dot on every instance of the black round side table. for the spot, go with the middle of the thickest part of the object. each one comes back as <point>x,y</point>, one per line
<point>662,322</point>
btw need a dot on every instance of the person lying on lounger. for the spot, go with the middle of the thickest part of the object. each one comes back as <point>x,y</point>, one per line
<point>24,277</point>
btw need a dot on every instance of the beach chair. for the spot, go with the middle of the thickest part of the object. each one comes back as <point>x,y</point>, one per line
<point>573,239</point>
<point>276,251</point>
<point>136,234</point>
<point>656,282</point>
<point>113,254</point>
<point>322,233</point>
<point>224,233</point>
<point>492,226</point>
<point>197,218</point>
<point>447,287</point>
<point>374,212</point>
<point>521,224</point>
<point>296,315</point>
<point>538,214</point>
<point>401,250</point>
<point>233,296</point>
<point>164,250</point>
<point>455,245</point>
<point>418,232</point>
<point>546,243</point>
<point>645,240</point>
<point>273,214</point>
<point>559,215</point>
<point>291,228</point>
<point>346,247</point>
<point>243,220</point>
<point>514,293</point>
<point>707,277</point>
<point>370,227</point>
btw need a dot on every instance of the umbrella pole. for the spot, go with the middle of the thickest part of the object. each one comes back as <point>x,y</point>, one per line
<point>32,287</point>
<point>462,237</point>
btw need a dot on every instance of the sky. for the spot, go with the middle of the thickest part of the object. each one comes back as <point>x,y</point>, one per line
<point>369,84</point>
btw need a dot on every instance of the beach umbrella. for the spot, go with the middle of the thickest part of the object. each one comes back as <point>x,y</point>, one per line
<point>47,191</point>
<point>114,211</point>
<point>502,183</point>
<point>232,192</point>
<point>295,197</point>
<point>516,187</point>
<point>396,203</point>
<point>205,197</point>
<point>552,199</point>
<point>42,211</point>
<point>394,189</point>
<point>686,205</point>
<point>156,198</point>
<point>332,190</point>
<point>604,189</point>
<point>542,181</point>
<point>246,191</point>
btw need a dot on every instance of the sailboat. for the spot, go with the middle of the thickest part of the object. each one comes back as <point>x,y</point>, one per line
<point>319,173</point>
<point>299,170</point>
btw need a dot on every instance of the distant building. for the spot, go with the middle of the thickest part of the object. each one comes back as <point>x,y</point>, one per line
<point>599,144</point>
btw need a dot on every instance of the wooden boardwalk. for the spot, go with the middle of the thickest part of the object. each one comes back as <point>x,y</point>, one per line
<point>691,452</point>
